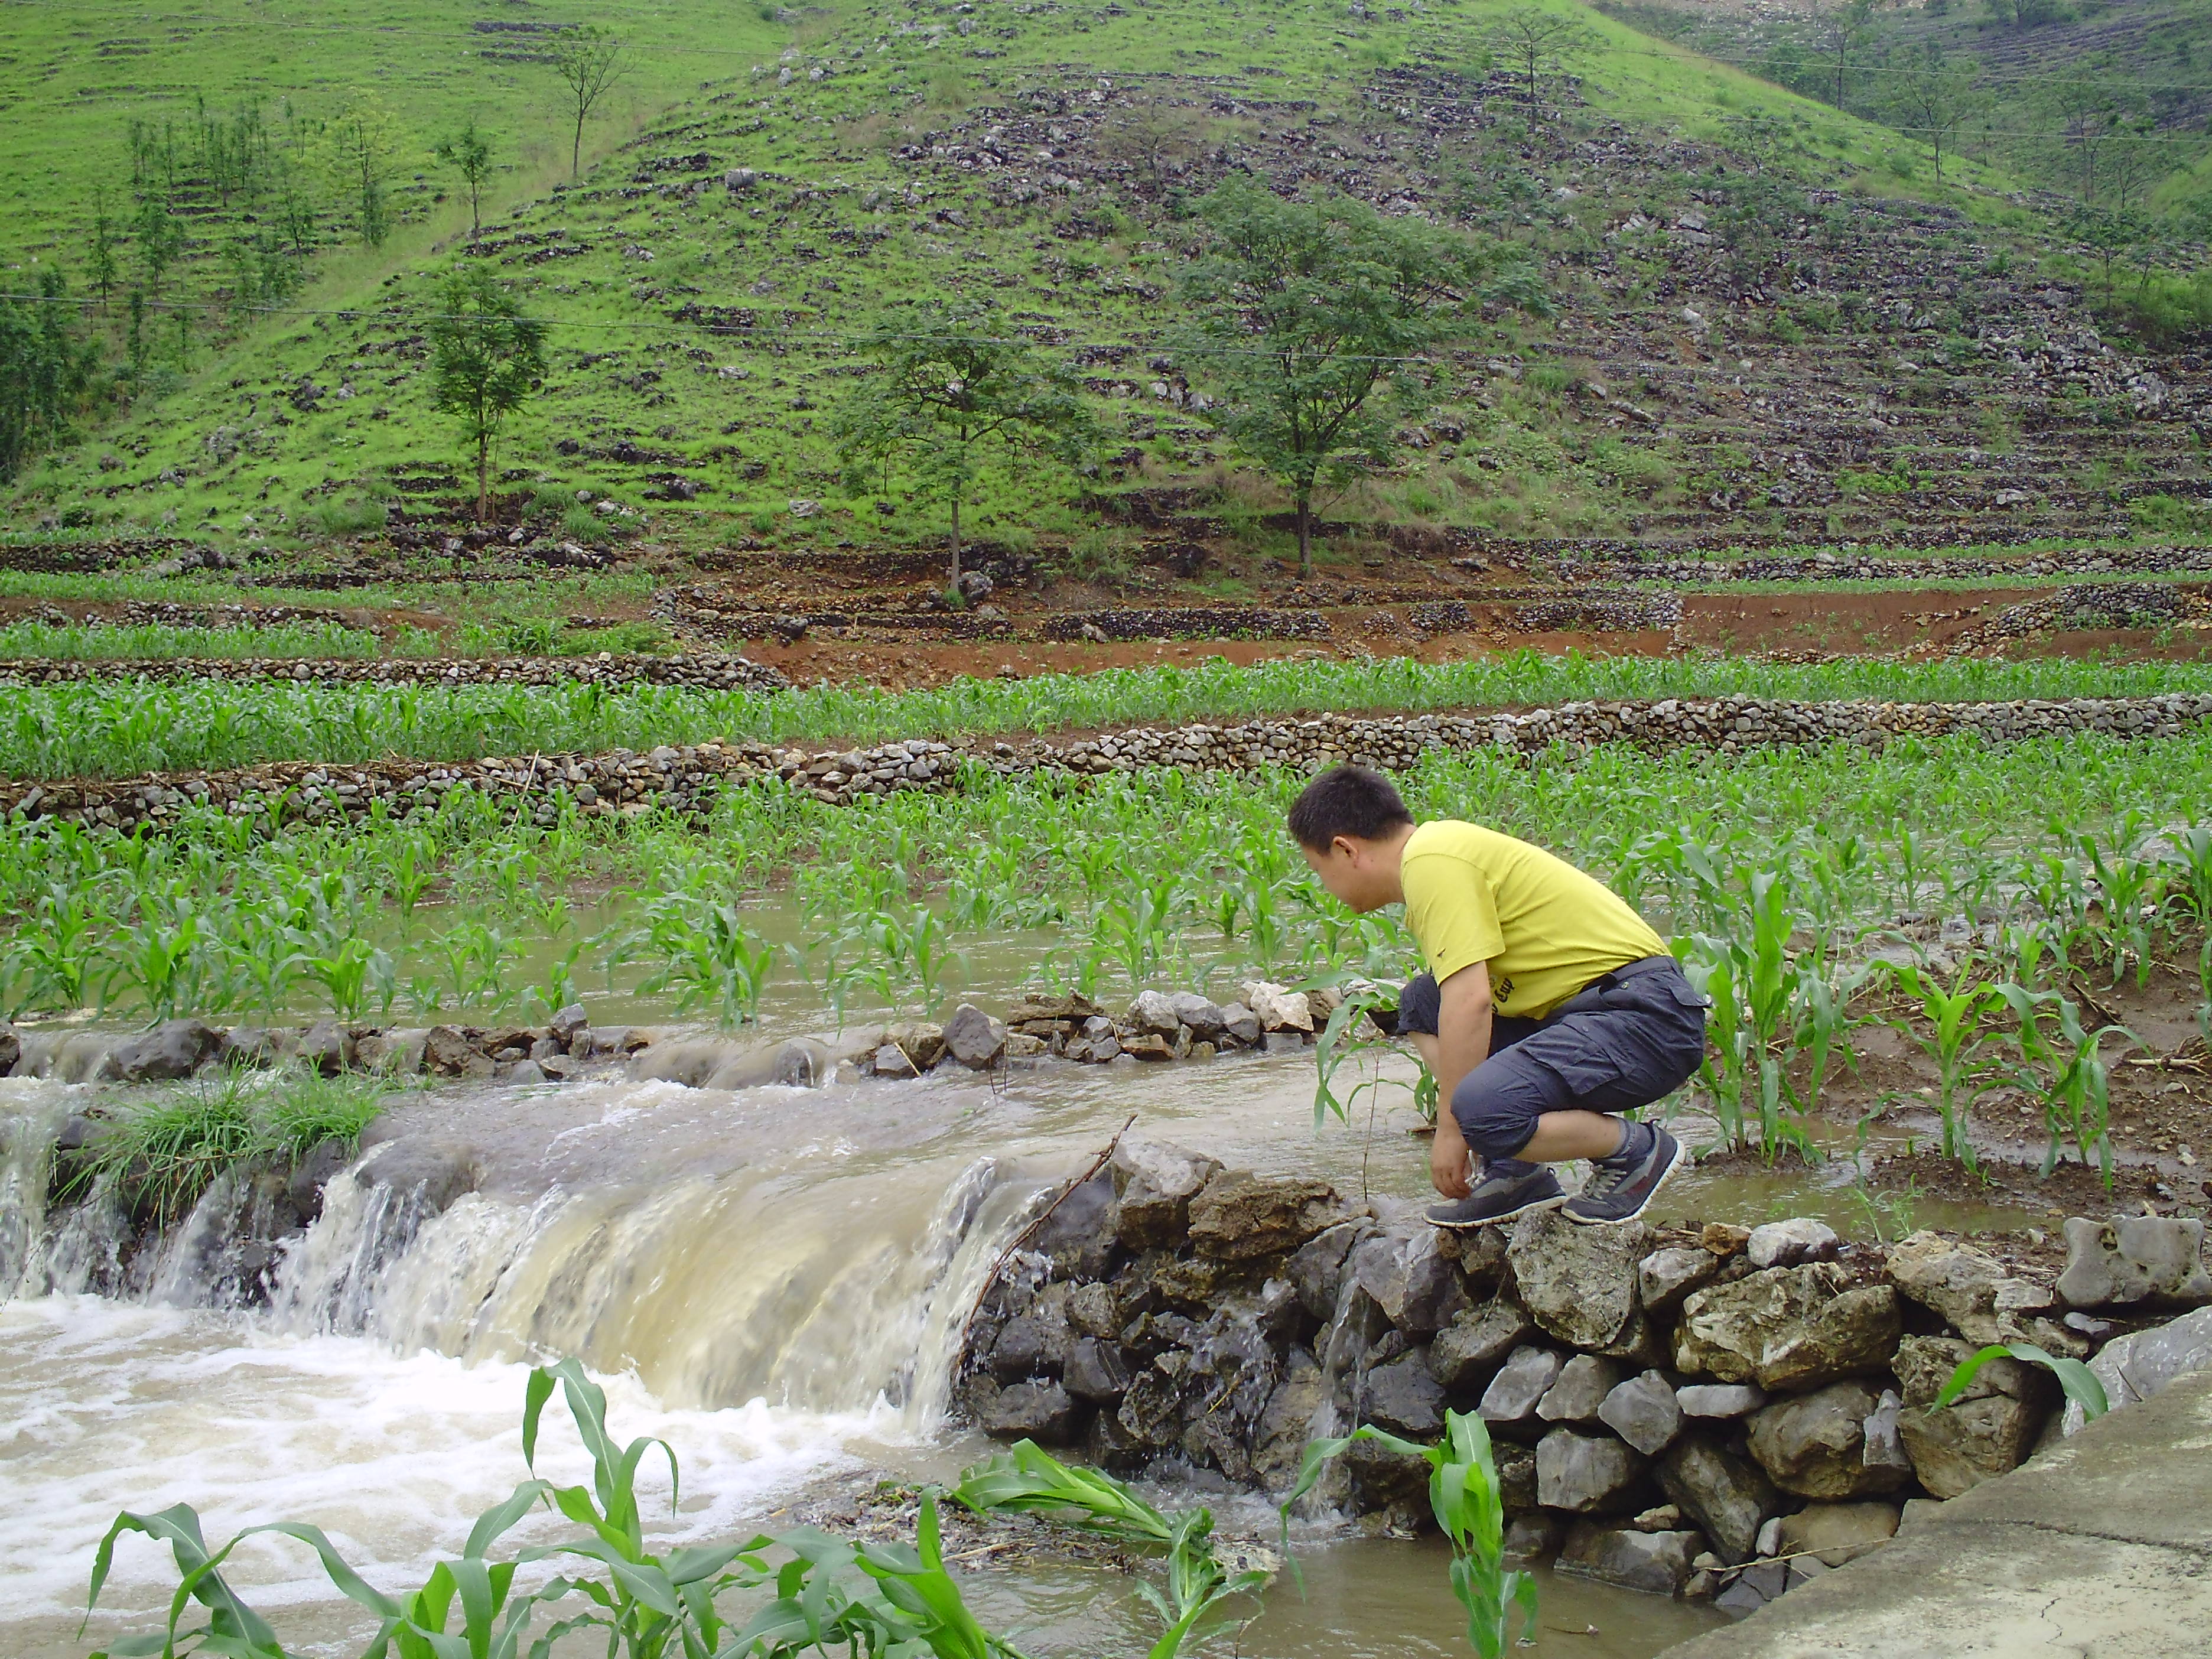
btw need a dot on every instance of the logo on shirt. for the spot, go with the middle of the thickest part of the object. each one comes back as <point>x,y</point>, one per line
<point>1501,991</point>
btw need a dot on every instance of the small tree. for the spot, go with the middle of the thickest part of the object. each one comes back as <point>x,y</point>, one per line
<point>355,150</point>
<point>1933,95</point>
<point>44,369</point>
<point>1838,35</point>
<point>1537,44</point>
<point>486,358</point>
<point>468,152</point>
<point>1308,309</point>
<point>160,236</point>
<point>588,59</point>
<point>102,267</point>
<point>952,383</point>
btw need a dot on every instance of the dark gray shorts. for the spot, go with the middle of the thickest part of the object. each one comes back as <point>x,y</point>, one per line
<point>1627,1039</point>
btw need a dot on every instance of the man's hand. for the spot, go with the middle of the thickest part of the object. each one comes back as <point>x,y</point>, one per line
<point>1448,1158</point>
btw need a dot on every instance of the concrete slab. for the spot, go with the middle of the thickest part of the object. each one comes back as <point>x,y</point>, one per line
<point>2100,1548</point>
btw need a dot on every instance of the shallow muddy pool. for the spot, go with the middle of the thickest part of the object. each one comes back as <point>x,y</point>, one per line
<point>774,1279</point>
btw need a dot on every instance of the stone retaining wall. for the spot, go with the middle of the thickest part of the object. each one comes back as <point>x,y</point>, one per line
<point>702,672</point>
<point>1677,1410</point>
<point>1629,563</point>
<point>685,777</point>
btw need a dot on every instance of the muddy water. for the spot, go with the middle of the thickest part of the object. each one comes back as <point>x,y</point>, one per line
<point>774,1280</point>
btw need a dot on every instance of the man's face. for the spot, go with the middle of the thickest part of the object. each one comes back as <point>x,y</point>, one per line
<point>1354,872</point>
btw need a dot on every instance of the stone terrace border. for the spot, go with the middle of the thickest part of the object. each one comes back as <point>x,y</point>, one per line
<point>701,672</point>
<point>628,783</point>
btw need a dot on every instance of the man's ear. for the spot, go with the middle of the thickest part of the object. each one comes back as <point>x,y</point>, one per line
<point>1351,847</point>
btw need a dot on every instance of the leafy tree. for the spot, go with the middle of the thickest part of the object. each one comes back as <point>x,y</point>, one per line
<point>160,236</point>
<point>468,152</point>
<point>102,267</point>
<point>1307,309</point>
<point>486,358</point>
<point>1837,36</point>
<point>44,369</point>
<point>357,148</point>
<point>1932,95</point>
<point>952,383</point>
<point>1539,44</point>
<point>588,59</point>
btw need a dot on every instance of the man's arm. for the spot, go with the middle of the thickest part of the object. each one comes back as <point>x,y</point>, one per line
<point>1462,1044</point>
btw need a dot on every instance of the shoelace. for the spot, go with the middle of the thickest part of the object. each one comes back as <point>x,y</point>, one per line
<point>1605,1175</point>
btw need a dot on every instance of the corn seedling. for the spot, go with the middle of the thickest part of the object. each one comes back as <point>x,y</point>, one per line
<point>1464,1495</point>
<point>2076,1380</point>
<point>1958,1032</point>
<point>2062,1064</point>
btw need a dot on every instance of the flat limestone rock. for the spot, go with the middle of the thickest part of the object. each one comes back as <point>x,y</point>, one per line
<point>1578,1283</point>
<point>1788,1328</point>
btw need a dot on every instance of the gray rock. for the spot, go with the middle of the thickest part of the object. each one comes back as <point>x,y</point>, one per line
<point>1792,1242</point>
<point>1238,1216</point>
<point>1530,1539</point>
<point>1665,1277</point>
<point>1814,1444</point>
<point>2136,1259</point>
<point>1097,1372</point>
<point>1582,1473</point>
<point>1240,1024</point>
<point>1205,1019</point>
<point>1081,1232</point>
<point>1285,1424</point>
<point>1478,1340</point>
<point>447,1052</point>
<point>314,1170</point>
<point>395,1054</point>
<point>1524,1379</point>
<point>567,1024</point>
<point>1969,1288</point>
<point>1836,1533</point>
<point>1577,1282</point>
<point>1276,1008</point>
<point>891,1061</point>
<point>1153,1011</point>
<point>1788,1328</point>
<point>922,1043</point>
<point>1403,1398</point>
<point>1643,1412</point>
<point>1092,1310</point>
<point>429,1173</point>
<point>1739,1600</point>
<point>11,1048</point>
<point>1417,1288</point>
<point>1729,1497</point>
<point>175,1049</point>
<point>1988,1432</point>
<point>1583,1384</point>
<point>975,1038</point>
<point>521,1074</point>
<point>1157,1183</point>
<point>258,1045</point>
<point>1033,1343</point>
<point>1885,1445</point>
<point>328,1047</point>
<point>1316,1267</point>
<point>1043,1411</point>
<point>2139,1366</point>
<point>1656,1562</point>
<point>1720,1399</point>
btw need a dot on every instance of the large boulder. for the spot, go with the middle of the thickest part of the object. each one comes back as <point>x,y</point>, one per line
<point>1788,1328</point>
<point>1082,1231</point>
<point>2136,1259</point>
<point>175,1049</point>
<point>1834,1533</point>
<point>1237,1215</point>
<point>429,1173</point>
<point>1987,1432</point>
<point>1656,1562</point>
<point>1814,1444</point>
<point>1403,1398</point>
<point>1580,1390</point>
<point>2138,1366</point>
<point>1578,1283</point>
<point>1525,1378</point>
<point>1157,1183</point>
<point>1729,1497</point>
<point>1476,1342</point>
<point>975,1038</point>
<point>1043,1411</point>
<point>1582,1473</point>
<point>1643,1412</point>
<point>1969,1288</point>
<point>1416,1287</point>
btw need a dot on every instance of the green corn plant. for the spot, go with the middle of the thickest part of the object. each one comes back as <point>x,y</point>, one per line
<point>2190,849</point>
<point>348,975</point>
<point>705,953</point>
<point>159,958</point>
<point>2131,890</point>
<point>1349,1037</point>
<point>1464,1495</point>
<point>2076,1380</point>
<point>2062,1064</point>
<point>1958,1031</point>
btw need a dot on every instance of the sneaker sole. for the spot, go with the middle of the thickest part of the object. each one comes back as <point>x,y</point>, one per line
<point>1529,1208</point>
<point>1681,1157</point>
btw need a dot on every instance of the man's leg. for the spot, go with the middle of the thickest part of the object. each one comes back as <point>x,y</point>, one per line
<point>1503,1186</point>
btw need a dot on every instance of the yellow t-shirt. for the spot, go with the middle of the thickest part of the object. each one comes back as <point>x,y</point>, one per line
<point>1545,928</point>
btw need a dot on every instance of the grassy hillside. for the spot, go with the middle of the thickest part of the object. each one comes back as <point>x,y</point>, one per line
<point>1742,273</point>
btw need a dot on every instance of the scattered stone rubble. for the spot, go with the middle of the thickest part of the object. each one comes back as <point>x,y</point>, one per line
<point>1723,1412</point>
<point>685,778</point>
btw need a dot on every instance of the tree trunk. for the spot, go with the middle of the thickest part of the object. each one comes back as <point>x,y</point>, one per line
<point>576,149</point>
<point>484,477</point>
<point>1305,534</point>
<point>952,580</point>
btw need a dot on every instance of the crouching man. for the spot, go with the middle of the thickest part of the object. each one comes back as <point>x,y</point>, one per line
<point>1549,1007</point>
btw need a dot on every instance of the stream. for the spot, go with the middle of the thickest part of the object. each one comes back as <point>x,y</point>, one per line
<point>774,1280</point>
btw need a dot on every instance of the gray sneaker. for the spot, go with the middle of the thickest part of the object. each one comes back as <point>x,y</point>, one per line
<point>1620,1190</point>
<point>1504,1189</point>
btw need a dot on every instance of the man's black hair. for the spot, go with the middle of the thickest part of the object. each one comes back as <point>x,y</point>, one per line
<point>1346,800</point>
